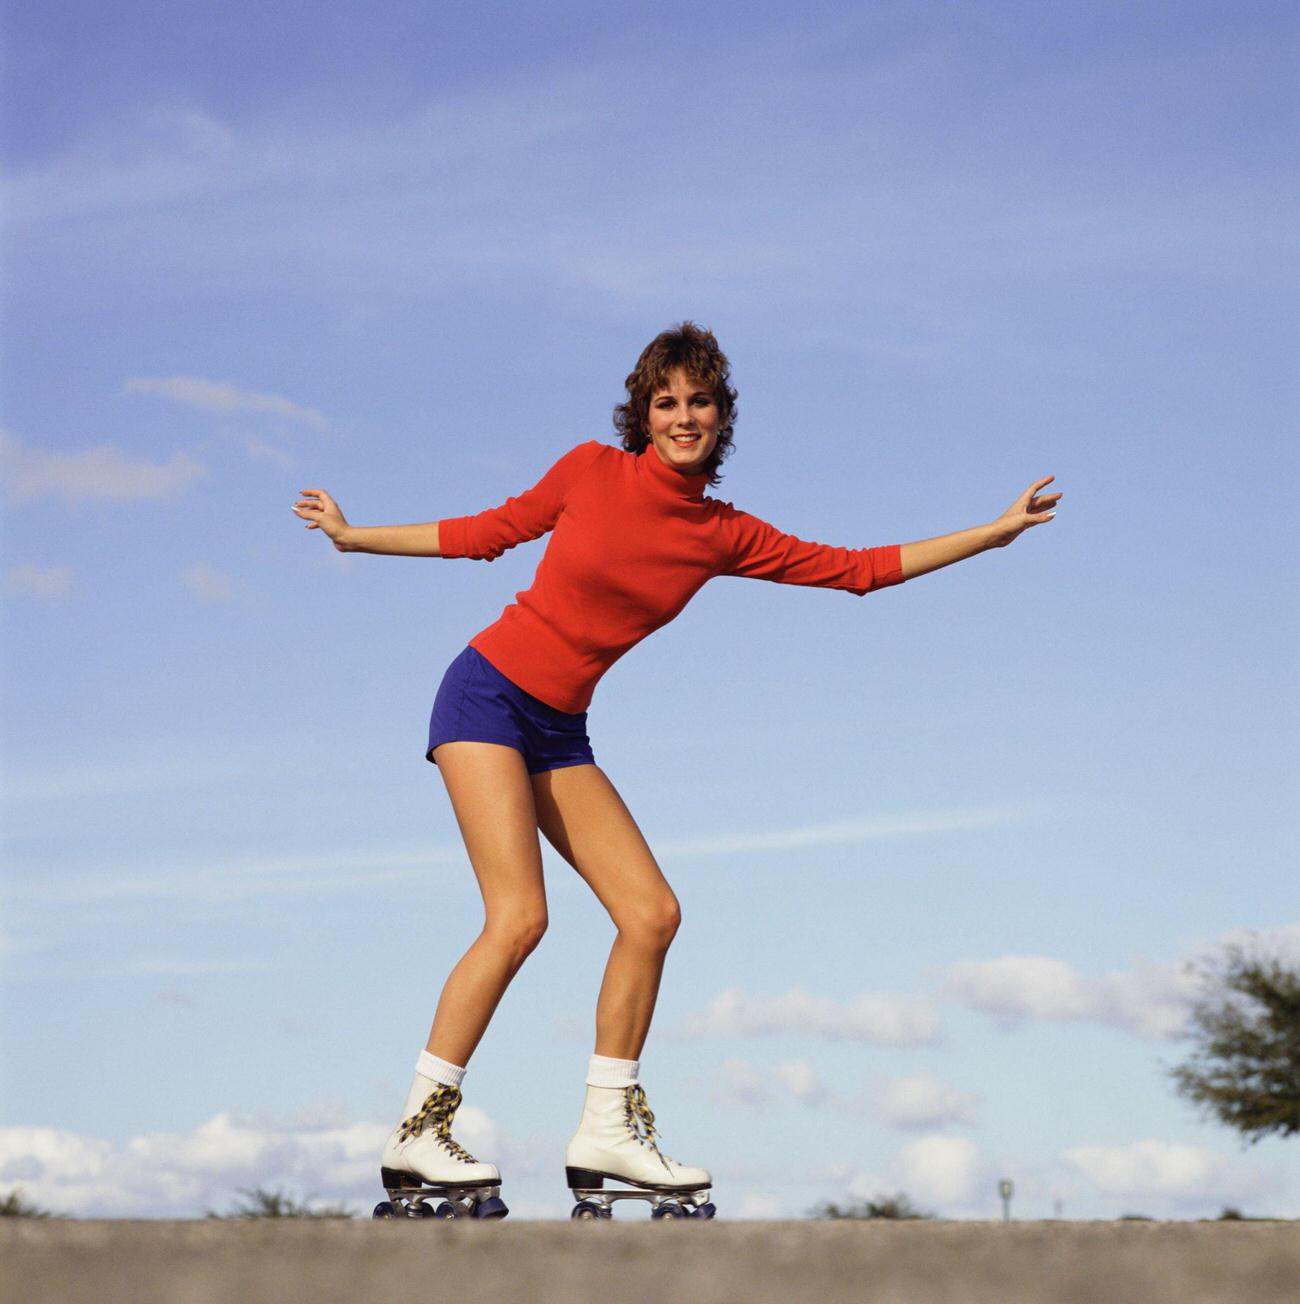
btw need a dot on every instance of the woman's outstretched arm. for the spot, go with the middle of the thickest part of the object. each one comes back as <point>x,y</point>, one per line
<point>321,512</point>
<point>483,536</point>
<point>1031,508</point>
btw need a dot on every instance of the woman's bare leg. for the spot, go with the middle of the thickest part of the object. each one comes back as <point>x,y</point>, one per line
<point>493,801</point>
<point>585,820</point>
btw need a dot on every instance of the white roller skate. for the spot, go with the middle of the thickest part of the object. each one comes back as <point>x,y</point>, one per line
<point>421,1160</point>
<point>616,1141</point>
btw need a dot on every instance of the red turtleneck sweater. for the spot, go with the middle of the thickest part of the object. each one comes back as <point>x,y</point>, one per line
<point>632,542</point>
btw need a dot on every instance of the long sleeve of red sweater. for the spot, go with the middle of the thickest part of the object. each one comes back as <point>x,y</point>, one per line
<point>632,541</point>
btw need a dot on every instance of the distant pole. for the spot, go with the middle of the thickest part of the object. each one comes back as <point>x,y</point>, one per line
<point>1058,1208</point>
<point>1006,1190</point>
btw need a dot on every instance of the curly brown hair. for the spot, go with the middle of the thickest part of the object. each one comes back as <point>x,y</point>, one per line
<point>695,351</point>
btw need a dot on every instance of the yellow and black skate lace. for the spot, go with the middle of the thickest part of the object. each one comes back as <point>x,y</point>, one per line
<point>636,1111</point>
<point>435,1115</point>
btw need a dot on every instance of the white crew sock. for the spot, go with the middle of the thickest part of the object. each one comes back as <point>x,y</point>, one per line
<point>605,1072</point>
<point>440,1070</point>
<point>429,1072</point>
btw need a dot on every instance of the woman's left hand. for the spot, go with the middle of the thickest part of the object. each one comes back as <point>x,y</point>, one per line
<point>1031,508</point>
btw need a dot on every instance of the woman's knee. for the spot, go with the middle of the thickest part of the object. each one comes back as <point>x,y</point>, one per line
<point>517,933</point>
<point>654,925</point>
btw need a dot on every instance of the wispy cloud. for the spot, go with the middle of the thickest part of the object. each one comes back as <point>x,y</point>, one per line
<point>220,396</point>
<point>242,878</point>
<point>208,584</point>
<point>183,999</point>
<point>882,1019</point>
<point>44,583</point>
<point>418,198</point>
<point>103,474</point>
<point>159,766</point>
<point>187,966</point>
<point>872,828</point>
<point>260,451</point>
<point>236,878</point>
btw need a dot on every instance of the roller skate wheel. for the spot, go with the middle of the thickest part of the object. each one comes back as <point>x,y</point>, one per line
<point>668,1210</point>
<point>588,1211</point>
<point>493,1207</point>
<point>384,1209</point>
<point>706,1210</point>
<point>445,1210</point>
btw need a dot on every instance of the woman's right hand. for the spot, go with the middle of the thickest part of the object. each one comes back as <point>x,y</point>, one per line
<point>321,512</point>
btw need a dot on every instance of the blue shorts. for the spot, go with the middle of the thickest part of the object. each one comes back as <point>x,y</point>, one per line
<point>477,703</point>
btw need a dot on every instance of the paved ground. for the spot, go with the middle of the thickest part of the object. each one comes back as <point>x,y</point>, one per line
<point>303,1262</point>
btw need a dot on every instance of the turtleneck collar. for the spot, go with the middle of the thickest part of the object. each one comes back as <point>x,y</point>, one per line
<point>688,487</point>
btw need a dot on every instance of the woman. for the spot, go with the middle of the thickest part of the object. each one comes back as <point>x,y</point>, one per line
<point>633,539</point>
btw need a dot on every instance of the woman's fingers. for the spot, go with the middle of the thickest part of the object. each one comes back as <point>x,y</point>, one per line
<point>318,509</point>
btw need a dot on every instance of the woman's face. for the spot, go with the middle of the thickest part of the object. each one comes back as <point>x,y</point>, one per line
<point>683,422</point>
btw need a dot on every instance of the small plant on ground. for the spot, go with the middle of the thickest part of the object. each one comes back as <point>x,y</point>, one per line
<point>15,1206</point>
<point>882,1206</point>
<point>261,1203</point>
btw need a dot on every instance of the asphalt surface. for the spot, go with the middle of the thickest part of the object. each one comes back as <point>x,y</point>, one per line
<point>293,1261</point>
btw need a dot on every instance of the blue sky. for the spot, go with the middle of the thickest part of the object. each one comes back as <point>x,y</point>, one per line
<point>943,852</point>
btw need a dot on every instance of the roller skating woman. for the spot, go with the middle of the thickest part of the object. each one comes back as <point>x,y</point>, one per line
<point>633,538</point>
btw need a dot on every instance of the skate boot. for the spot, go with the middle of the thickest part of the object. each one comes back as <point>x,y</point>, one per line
<point>616,1141</point>
<point>422,1160</point>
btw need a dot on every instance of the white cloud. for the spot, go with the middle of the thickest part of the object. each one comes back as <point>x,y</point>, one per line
<point>883,1019</point>
<point>209,584</point>
<point>184,1175</point>
<point>45,583</point>
<point>1282,942</point>
<point>103,474</point>
<point>740,1083</point>
<point>800,1079</point>
<point>1171,1173</point>
<point>943,1170</point>
<point>220,396</point>
<point>1152,1000</point>
<point>761,1204</point>
<point>923,1101</point>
